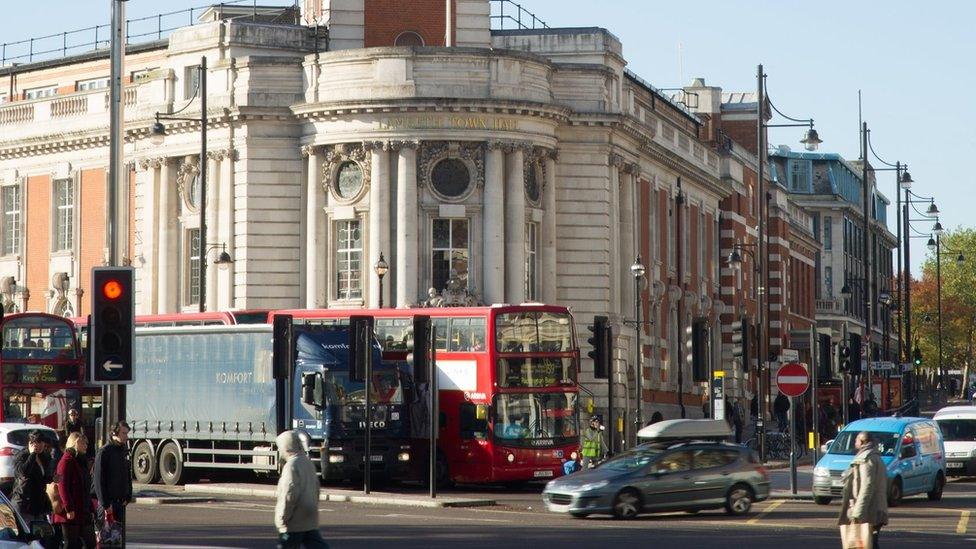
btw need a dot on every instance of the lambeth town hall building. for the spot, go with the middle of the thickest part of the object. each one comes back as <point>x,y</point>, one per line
<point>484,165</point>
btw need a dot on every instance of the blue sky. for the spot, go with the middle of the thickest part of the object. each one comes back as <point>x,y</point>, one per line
<point>913,62</point>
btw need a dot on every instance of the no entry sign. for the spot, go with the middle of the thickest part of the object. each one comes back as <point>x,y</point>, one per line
<point>793,379</point>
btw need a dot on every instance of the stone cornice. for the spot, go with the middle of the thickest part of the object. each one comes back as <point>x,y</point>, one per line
<point>325,110</point>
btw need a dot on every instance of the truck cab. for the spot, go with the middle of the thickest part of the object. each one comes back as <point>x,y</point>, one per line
<point>331,408</point>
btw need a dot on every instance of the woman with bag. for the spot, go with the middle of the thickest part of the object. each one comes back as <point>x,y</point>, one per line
<point>74,488</point>
<point>864,504</point>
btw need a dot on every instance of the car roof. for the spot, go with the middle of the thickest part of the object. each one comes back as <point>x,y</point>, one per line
<point>672,444</point>
<point>884,424</point>
<point>956,412</point>
<point>685,429</point>
<point>14,426</point>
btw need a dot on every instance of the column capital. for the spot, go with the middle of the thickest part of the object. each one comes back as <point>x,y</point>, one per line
<point>309,150</point>
<point>403,144</point>
<point>632,168</point>
<point>615,160</point>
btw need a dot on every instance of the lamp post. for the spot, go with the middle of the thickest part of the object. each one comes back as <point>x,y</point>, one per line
<point>381,268</point>
<point>884,298</point>
<point>735,261</point>
<point>638,270</point>
<point>811,140</point>
<point>909,205</point>
<point>157,135</point>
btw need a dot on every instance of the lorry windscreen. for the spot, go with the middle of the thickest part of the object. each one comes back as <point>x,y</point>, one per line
<point>385,388</point>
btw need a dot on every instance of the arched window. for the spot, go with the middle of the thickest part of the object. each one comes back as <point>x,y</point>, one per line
<point>408,38</point>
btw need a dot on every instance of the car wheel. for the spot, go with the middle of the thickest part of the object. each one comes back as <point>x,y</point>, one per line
<point>822,500</point>
<point>895,493</point>
<point>144,467</point>
<point>578,514</point>
<point>738,501</point>
<point>627,504</point>
<point>170,464</point>
<point>936,493</point>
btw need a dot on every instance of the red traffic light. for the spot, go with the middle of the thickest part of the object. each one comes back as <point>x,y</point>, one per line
<point>112,289</point>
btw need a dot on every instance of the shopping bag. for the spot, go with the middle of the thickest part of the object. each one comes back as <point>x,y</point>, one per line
<point>855,536</point>
<point>110,534</point>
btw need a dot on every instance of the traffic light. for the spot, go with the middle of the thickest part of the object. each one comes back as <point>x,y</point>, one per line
<point>845,357</point>
<point>283,346</point>
<point>112,325</point>
<point>600,343</point>
<point>917,357</point>
<point>419,348</point>
<point>360,346</point>
<point>740,341</point>
<point>699,350</point>
<point>855,355</point>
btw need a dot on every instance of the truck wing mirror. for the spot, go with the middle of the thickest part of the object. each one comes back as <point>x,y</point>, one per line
<point>308,389</point>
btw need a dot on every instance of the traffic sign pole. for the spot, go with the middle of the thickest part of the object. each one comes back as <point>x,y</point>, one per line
<point>793,380</point>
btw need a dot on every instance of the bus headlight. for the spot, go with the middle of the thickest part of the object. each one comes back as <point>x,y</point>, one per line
<point>574,456</point>
<point>403,456</point>
<point>336,458</point>
<point>511,458</point>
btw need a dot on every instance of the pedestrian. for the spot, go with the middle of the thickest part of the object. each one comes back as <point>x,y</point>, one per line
<point>297,508</point>
<point>113,474</point>
<point>853,410</point>
<point>594,447</point>
<point>865,493</point>
<point>73,423</point>
<point>656,417</point>
<point>738,422</point>
<point>781,407</point>
<point>31,477</point>
<point>74,489</point>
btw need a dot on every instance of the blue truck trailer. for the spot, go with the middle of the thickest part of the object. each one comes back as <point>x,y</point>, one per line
<point>206,398</point>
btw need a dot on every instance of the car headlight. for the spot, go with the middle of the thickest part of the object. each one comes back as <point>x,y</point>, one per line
<point>336,458</point>
<point>594,486</point>
<point>403,456</point>
<point>821,472</point>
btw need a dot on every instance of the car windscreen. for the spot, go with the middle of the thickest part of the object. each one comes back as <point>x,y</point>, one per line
<point>958,430</point>
<point>18,437</point>
<point>844,443</point>
<point>632,460</point>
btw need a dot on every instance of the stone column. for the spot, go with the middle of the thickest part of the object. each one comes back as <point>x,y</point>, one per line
<point>515,225</point>
<point>626,242</point>
<point>379,219</point>
<point>167,243</point>
<point>225,230</point>
<point>549,258</point>
<point>213,206</point>
<point>616,259</point>
<point>407,265</point>
<point>145,246</point>
<point>315,248</point>
<point>493,220</point>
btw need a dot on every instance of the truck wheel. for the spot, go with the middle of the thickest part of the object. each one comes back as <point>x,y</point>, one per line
<point>144,466</point>
<point>170,464</point>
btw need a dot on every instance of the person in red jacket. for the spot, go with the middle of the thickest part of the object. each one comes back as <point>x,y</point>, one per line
<point>74,488</point>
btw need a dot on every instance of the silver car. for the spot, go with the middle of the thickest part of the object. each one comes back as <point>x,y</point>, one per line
<point>664,476</point>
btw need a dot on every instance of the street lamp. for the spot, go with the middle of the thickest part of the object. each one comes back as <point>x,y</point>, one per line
<point>937,228</point>
<point>381,268</point>
<point>638,270</point>
<point>811,140</point>
<point>960,260</point>
<point>157,135</point>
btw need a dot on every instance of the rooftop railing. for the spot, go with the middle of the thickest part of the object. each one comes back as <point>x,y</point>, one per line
<point>138,30</point>
<point>506,12</point>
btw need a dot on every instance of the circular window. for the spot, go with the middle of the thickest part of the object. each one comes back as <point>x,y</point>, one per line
<point>533,187</point>
<point>193,195</point>
<point>349,180</point>
<point>450,177</point>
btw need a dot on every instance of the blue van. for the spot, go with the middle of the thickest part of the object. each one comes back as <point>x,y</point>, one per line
<point>911,447</point>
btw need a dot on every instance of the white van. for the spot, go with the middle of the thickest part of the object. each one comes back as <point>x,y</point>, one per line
<point>958,424</point>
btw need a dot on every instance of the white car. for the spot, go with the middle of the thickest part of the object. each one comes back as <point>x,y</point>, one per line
<point>13,438</point>
<point>958,424</point>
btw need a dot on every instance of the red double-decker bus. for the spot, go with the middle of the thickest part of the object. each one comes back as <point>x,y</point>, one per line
<point>507,380</point>
<point>42,371</point>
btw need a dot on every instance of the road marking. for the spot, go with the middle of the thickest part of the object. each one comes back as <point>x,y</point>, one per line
<point>963,522</point>
<point>445,517</point>
<point>769,508</point>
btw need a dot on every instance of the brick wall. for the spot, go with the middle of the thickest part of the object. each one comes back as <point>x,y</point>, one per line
<point>38,233</point>
<point>91,216</point>
<point>386,19</point>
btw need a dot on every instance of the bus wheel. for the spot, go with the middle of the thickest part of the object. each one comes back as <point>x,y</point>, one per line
<point>170,464</point>
<point>144,464</point>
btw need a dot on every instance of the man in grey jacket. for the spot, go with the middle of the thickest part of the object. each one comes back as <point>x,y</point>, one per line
<point>297,510</point>
<point>865,497</point>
